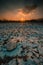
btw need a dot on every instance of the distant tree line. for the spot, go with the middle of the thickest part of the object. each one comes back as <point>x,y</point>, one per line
<point>34,20</point>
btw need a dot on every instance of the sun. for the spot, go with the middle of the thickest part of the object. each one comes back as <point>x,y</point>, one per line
<point>22,19</point>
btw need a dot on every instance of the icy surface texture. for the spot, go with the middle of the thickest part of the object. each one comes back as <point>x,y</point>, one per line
<point>21,44</point>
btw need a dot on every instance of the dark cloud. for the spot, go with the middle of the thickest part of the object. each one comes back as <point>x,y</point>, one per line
<point>31,5</point>
<point>26,5</point>
<point>13,4</point>
<point>11,8</point>
<point>27,9</point>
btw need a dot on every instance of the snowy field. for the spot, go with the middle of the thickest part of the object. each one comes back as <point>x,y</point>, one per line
<point>21,44</point>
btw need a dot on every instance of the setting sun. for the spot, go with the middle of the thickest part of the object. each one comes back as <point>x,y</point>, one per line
<point>22,19</point>
<point>19,15</point>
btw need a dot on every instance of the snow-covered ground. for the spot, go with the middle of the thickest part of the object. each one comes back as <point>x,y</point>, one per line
<point>21,44</point>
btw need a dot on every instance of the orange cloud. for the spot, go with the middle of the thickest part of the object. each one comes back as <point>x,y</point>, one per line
<point>20,15</point>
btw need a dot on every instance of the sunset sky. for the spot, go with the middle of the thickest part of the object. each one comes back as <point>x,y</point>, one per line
<point>21,9</point>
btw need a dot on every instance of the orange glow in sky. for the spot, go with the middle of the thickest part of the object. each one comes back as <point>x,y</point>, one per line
<point>19,15</point>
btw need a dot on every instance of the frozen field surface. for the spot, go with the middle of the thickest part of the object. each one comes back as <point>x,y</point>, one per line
<point>21,44</point>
